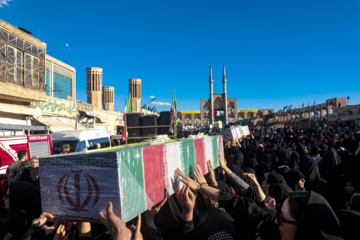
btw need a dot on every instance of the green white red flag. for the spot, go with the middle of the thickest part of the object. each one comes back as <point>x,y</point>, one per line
<point>173,114</point>
<point>76,187</point>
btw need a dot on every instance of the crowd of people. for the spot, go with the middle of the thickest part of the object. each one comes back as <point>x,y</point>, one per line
<point>276,184</point>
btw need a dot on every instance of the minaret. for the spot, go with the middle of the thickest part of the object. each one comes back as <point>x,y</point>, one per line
<point>225,95</point>
<point>211,112</point>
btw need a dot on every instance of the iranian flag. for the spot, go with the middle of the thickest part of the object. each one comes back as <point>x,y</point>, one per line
<point>134,179</point>
<point>148,174</point>
<point>128,109</point>
<point>124,121</point>
<point>218,113</point>
<point>173,114</point>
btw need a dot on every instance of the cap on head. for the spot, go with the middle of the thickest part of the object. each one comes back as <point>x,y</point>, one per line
<point>66,146</point>
<point>35,157</point>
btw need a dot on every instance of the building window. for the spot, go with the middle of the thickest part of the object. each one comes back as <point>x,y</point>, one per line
<point>2,61</point>
<point>58,81</point>
<point>4,36</point>
<point>48,84</point>
<point>10,64</point>
<point>32,71</point>
<point>14,64</point>
<point>62,80</point>
<point>19,67</point>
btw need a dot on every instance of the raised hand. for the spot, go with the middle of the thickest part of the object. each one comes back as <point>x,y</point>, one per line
<point>357,150</point>
<point>222,160</point>
<point>199,175</point>
<point>42,219</point>
<point>260,195</point>
<point>193,185</point>
<point>151,213</point>
<point>186,200</point>
<point>270,203</point>
<point>251,177</point>
<point>137,233</point>
<point>211,172</point>
<point>61,232</point>
<point>114,224</point>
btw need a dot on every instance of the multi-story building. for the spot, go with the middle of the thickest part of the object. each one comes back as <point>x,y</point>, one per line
<point>332,112</point>
<point>22,75</point>
<point>38,92</point>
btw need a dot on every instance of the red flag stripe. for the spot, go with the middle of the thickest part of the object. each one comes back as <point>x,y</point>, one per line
<point>200,154</point>
<point>155,173</point>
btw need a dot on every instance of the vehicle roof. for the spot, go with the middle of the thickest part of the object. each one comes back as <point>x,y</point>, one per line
<point>78,135</point>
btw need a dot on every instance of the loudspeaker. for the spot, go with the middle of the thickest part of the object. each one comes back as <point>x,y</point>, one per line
<point>133,120</point>
<point>148,120</point>
<point>164,120</point>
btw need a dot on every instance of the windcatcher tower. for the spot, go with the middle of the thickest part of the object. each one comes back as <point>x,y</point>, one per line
<point>108,98</point>
<point>135,90</point>
<point>94,86</point>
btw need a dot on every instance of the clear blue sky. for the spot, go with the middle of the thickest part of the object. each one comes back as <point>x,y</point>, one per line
<point>276,53</point>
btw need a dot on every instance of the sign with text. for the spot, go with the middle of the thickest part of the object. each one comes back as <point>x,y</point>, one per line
<point>56,106</point>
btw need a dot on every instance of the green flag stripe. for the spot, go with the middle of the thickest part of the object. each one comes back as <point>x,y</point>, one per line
<point>187,152</point>
<point>215,144</point>
<point>131,179</point>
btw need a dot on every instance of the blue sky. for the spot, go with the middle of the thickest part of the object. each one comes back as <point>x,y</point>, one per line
<point>276,52</point>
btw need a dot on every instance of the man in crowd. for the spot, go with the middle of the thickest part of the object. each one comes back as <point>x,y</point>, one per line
<point>31,174</point>
<point>65,148</point>
<point>15,169</point>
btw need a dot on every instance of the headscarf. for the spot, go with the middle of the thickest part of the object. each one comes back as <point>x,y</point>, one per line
<point>275,178</point>
<point>266,158</point>
<point>261,169</point>
<point>300,148</point>
<point>349,223</point>
<point>30,174</point>
<point>252,163</point>
<point>314,182</point>
<point>168,219</point>
<point>292,178</point>
<point>216,225</point>
<point>25,206</point>
<point>239,160</point>
<point>24,196</point>
<point>230,159</point>
<point>279,192</point>
<point>310,169</point>
<point>332,169</point>
<point>355,203</point>
<point>294,160</point>
<point>318,221</point>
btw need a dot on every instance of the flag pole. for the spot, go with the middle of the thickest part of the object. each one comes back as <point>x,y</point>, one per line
<point>175,131</point>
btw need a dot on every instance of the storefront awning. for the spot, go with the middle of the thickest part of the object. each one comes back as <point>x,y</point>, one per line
<point>14,127</point>
<point>59,123</point>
